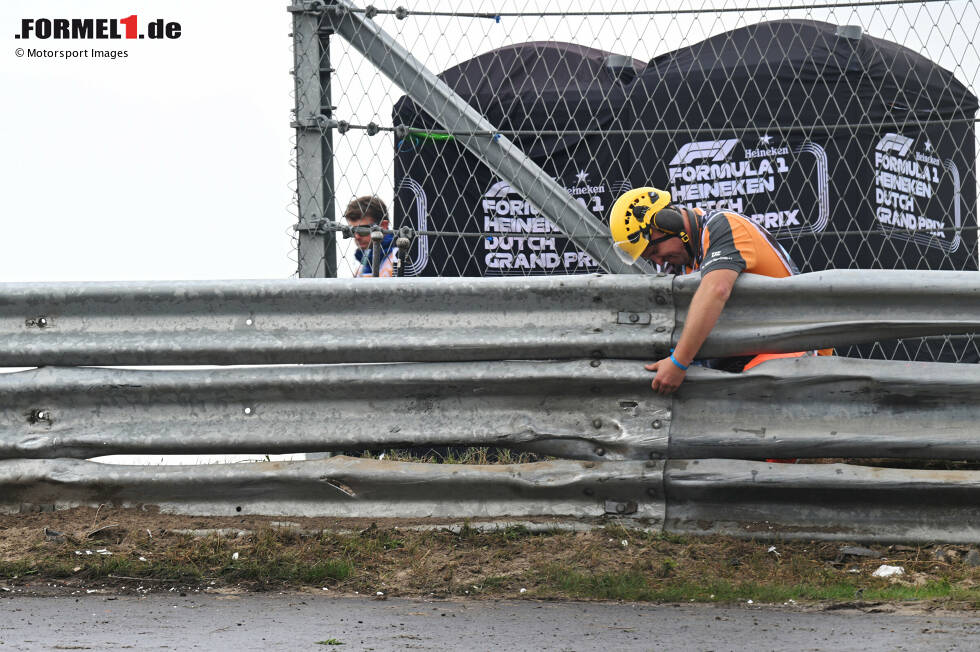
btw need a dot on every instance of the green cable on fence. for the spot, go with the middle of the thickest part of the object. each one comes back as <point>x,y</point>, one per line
<point>415,138</point>
<point>426,135</point>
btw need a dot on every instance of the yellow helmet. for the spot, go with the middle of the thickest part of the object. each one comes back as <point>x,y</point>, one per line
<point>633,216</point>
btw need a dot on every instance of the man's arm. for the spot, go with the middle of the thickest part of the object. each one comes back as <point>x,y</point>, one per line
<point>706,306</point>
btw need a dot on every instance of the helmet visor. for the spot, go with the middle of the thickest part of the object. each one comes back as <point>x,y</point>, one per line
<point>624,248</point>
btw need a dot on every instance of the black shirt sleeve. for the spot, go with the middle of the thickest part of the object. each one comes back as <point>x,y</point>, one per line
<point>722,252</point>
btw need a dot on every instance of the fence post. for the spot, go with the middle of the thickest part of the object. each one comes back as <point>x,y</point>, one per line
<point>316,249</point>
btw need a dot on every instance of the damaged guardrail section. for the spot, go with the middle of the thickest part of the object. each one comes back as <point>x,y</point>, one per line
<point>528,364</point>
<point>343,486</point>
<point>822,501</point>
<point>587,409</point>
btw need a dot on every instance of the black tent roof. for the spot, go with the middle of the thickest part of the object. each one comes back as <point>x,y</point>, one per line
<point>795,72</point>
<point>765,75</point>
<point>539,86</point>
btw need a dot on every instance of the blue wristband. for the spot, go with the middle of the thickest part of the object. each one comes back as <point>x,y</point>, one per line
<point>674,360</point>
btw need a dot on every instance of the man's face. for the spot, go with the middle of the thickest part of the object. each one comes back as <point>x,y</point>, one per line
<point>364,241</point>
<point>669,251</point>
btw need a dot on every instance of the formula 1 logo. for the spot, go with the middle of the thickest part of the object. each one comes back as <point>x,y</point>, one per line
<point>917,193</point>
<point>894,143</point>
<point>726,175</point>
<point>498,190</point>
<point>716,150</point>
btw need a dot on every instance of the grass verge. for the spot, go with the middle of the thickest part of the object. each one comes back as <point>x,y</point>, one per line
<point>613,563</point>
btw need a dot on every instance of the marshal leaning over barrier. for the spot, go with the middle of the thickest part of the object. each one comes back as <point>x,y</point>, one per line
<point>654,459</point>
<point>826,154</point>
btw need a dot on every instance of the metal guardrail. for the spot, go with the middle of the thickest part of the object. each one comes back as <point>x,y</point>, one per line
<point>821,501</point>
<point>599,409</point>
<point>328,320</point>
<point>343,486</point>
<point>573,408</point>
<point>836,308</point>
<point>757,499</point>
<point>587,409</point>
<point>432,320</point>
<point>831,407</point>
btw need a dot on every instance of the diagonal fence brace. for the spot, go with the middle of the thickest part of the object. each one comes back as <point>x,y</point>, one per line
<point>498,152</point>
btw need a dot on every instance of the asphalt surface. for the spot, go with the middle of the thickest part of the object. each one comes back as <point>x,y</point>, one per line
<point>315,622</point>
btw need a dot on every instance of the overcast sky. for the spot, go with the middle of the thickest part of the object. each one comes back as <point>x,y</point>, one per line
<point>171,163</point>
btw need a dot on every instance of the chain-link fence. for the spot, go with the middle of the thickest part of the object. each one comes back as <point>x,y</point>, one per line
<point>847,129</point>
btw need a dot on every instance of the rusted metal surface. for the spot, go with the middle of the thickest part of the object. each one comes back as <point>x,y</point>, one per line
<point>342,486</point>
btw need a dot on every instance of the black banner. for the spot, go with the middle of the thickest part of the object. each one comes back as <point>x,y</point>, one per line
<point>855,153</point>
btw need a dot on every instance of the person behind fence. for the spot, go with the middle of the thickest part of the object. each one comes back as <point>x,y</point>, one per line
<point>368,211</point>
<point>720,244</point>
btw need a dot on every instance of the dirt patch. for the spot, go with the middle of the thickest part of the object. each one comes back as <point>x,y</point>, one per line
<point>134,551</point>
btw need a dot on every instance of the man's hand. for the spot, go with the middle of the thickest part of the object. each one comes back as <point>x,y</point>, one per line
<point>669,376</point>
<point>706,306</point>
